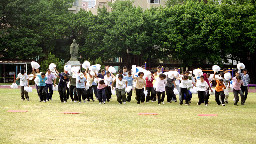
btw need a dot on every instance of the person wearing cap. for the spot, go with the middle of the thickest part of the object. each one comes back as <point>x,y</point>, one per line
<point>50,77</point>
<point>80,86</point>
<point>219,90</point>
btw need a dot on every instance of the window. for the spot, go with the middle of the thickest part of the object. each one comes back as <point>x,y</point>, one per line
<point>154,1</point>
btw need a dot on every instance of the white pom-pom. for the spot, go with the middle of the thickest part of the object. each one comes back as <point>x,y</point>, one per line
<point>176,92</point>
<point>96,80</point>
<point>240,66</point>
<point>197,72</point>
<point>231,86</point>
<point>133,69</point>
<point>55,88</point>
<point>86,65</point>
<point>93,68</point>
<point>145,92</point>
<point>28,89</point>
<point>68,84</point>
<point>52,67</point>
<point>147,74</point>
<point>173,74</point>
<point>216,68</point>
<point>92,73</point>
<point>213,92</point>
<point>87,86</point>
<point>30,77</point>
<point>75,69</point>
<point>98,66</point>
<point>227,76</point>
<point>128,89</point>
<point>37,81</point>
<point>193,90</point>
<point>113,91</point>
<point>34,65</point>
<point>112,69</point>
<point>67,68</point>
<point>14,86</point>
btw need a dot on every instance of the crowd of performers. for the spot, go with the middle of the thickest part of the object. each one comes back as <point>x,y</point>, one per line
<point>82,86</point>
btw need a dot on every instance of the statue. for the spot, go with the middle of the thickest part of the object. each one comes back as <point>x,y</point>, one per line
<point>74,51</point>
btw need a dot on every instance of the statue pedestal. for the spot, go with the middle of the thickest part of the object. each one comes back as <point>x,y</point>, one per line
<point>73,63</point>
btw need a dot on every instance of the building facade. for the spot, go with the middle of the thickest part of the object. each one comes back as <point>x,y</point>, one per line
<point>93,5</point>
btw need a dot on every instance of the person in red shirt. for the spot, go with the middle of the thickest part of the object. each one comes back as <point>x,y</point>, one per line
<point>149,87</point>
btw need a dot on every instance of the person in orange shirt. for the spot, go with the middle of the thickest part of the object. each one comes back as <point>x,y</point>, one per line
<point>219,91</point>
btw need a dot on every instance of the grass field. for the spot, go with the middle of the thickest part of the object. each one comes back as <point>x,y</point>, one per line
<point>114,123</point>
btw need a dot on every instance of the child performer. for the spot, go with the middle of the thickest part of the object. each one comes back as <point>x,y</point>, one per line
<point>227,84</point>
<point>108,79</point>
<point>202,87</point>
<point>24,81</point>
<point>237,83</point>
<point>246,80</point>
<point>62,87</point>
<point>80,87</point>
<point>169,87</point>
<point>184,90</point>
<point>149,87</point>
<point>140,85</point>
<point>72,87</point>
<point>121,84</point>
<point>90,80</point>
<point>41,87</point>
<point>160,88</point>
<point>219,91</point>
<point>101,92</point>
<point>129,80</point>
<point>50,77</point>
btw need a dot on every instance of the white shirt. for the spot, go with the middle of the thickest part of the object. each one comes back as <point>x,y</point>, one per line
<point>120,84</point>
<point>23,79</point>
<point>160,85</point>
<point>108,80</point>
<point>201,86</point>
<point>185,84</point>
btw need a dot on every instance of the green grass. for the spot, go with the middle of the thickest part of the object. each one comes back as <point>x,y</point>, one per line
<point>114,123</point>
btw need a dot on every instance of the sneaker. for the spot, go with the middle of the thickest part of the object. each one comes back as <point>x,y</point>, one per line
<point>99,102</point>
<point>197,103</point>
<point>124,102</point>
<point>104,102</point>
<point>226,102</point>
<point>64,101</point>
<point>162,102</point>
<point>22,99</point>
<point>186,104</point>
<point>159,104</point>
<point>206,104</point>
<point>235,104</point>
<point>44,101</point>
<point>84,101</point>
<point>223,104</point>
<point>27,99</point>
<point>47,100</point>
